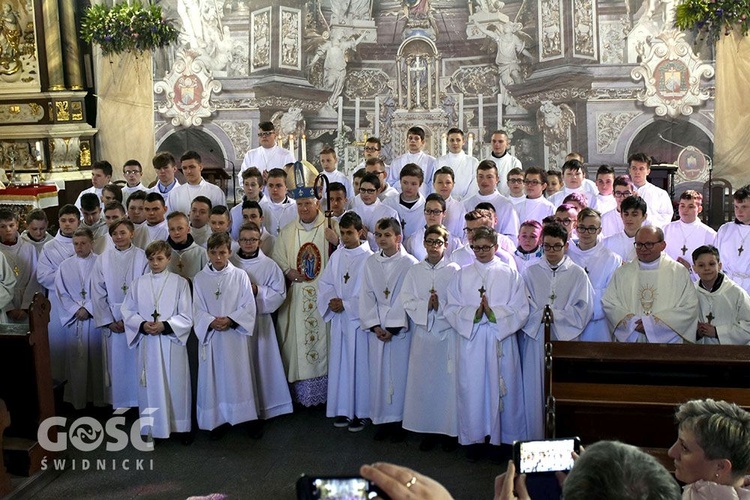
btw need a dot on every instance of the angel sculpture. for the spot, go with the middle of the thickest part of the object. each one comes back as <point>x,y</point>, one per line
<point>555,122</point>
<point>335,49</point>
<point>289,122</point>
<point>511,44</point>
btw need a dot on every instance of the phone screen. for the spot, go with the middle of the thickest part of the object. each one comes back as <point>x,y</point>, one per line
<point>546,456</point>
<point>353,488</point>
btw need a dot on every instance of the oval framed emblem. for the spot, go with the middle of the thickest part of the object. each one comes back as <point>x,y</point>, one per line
<point>309,261</point>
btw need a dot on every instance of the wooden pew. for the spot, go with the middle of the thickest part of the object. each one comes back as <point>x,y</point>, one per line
<point>5,485</point>
<point>629,392</point>
<point>26,387</point>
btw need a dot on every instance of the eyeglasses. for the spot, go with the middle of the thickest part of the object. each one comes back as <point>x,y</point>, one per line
<point>371,149</point>
<point>434,243</point>
<point>556,247</point>
<point>532,182</point>
<point>564,222</point>
<point>433,212</point>
<point>589,229</point>
<point>368,190</point>
<point>131,172</point>
<point>482,248</point>
<point>249,240</point>
<point>649,245</point>
<point>622,194</point>
<point>515,181</point>
<point>266,134</point>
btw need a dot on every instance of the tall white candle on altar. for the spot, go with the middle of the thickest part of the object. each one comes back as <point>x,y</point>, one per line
<point>340,128</point>
<point>500,109</point>
<point>356,119</point>
<point>38,152</point>
<point>303,144</point>
<point>444,144</point>
<point>470,146</point>
<point>291,144</point>
<point>460,111</point>
<point>376,130</point>
<point>480,105</point>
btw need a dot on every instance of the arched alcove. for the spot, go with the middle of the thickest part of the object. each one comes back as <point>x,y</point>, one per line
<point>660,140</point>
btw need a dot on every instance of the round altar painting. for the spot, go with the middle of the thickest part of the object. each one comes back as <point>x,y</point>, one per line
<point>309,261</point>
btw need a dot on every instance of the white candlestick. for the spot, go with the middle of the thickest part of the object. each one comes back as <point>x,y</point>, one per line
<point>376,130</point>
<point>340,127</point>
<point>470,146</point>
<point>291,144</point>
<point>38,152</point>
<point>304,148</point>
<point>356,119</point>
<point>499,111</point>
<point>480,131</point>
<point>461,111</point>
<point>444,144</point>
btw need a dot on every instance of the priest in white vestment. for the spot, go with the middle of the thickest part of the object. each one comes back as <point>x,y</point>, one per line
<point>224,317</point>
<point>430,405</point>
<point>652,299</point>
<point>269,289</point>
<point>338,303</point>
<point>158,317</point>
<point>487,304</point>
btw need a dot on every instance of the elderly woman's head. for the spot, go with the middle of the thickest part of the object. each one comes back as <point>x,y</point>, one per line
<point>713,442</point>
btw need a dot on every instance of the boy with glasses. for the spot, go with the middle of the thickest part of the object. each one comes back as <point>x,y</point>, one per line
<point>377,167</point>
<point>622,188</point>
<point>370,208</point>
<point>474,220</point>
<point>515,186</point>
<point>600,264</point>
<point>268,154</point>
<point>133,173</point>
<point>534,206</point>
<point>567,216</point>
<point>560,284</point>
<point>434,215</point>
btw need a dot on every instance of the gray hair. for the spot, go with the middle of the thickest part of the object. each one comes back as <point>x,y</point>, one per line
<point>610,470</point>
<point>722,429</point>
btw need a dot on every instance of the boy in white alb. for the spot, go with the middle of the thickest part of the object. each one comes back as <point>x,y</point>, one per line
<point>188,258</point>
<point>558,283</point>
<point>633,213</point>
<point>338,302</point>
<point>534,206</point>
<point>166,168</point>
<point>22,258</point>
<point>133,171</point>
<point>612,220</point>
<point>733,240</point>
<point>464,166</point>
<point>224,316</point>
<point>158,316</point>
<point>683,236</point>
<point>91,212</point>
<point>529,249</point>
<point>329,162</point>
<point>367,205</point>
<point>135,208</point>
<point>36,230</point>
<point>382,315</point>
<point>375,166</point>
<point>268,155</point>
<point>200,211</point>
<point>604,201</point>
<point>573,180</point>
<point>410,203</point>
<point>195,185</point>
<point>155,228</point>
<point>443,184</point>
<point>414,155</point>
<point>269,290</point>
<point>515,186</point>
<point>253,212</point>
<point>252,185</point>
<point>600,265</point>
<point>73,286</point>
<point>113,275</point>
<point>282,208</point>
<point>101,174</point>
<point>659,203</point>
<point>502,159</point>
<point>487,179</point>
<point>724,307</point>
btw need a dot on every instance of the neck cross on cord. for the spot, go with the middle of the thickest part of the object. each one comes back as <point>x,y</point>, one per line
<point>684,249</point>
<point>386,292</point>
<point>710,317</point>
<point>155,315</point>
<point>346,277</point>
<point>217,293</point>
<point>741,249</point>
<point>481,291</point>
<point>124,288</point>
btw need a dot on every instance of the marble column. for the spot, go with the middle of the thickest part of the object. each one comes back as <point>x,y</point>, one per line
<point>52,45</point>
<point>71,47</point>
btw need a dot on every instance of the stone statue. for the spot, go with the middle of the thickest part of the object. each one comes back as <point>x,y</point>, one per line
<point>487,5</point>
<point>190,14</point>
<point>555,122</point>
<point>345,11</point>
<point>334,66</point>
<point>10,39</point>
<point>510,46</point>
<point>289,122</point>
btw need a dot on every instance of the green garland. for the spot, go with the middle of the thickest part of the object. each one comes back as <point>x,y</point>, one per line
<point>127,28</point>
<point>713,17</point>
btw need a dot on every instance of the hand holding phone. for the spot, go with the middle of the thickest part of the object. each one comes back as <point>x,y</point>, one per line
<point>545,456</point>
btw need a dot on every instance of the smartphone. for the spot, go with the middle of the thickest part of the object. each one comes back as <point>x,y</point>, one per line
<point>337,487</point>
<point>550,455</point>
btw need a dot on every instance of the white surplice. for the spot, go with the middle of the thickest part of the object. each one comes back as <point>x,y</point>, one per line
<point>272,389</point>
<point>84,372</point>
<point>162,360</point>
<point>585,189</point>
<point>53,254</point>
<point>534,209</point>
<point>380,305</point>
<point>659,293</point>
<point>454,217</point>
<point>226,379</point>
<point>490,387</point>
<point>660,209</point>
<point>113,274</point>
<point>464,172</point>
<point>265,159</point>
<point>415,245</point>
<point>7,285</point>
<point>38,245</point>
<point>22,258</point>
<point>683,238</point>
<point>426,162</point>
<point>430,404</point>
<point>370,215</point>
<point>621,245</point>
<point>189,261</point>
<point>183,195</point>
<point>600,264</point>
<point>348,374</point>
<point>604,203</point>
<point>507,218</point>
<point>412,218</point>
<point>733,242</point>
<point>146,233</point>
<point>729,310</point>
<point>568,292</point>
<point>464,256</point>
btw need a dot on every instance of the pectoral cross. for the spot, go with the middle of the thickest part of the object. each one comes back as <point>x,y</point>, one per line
<point>83,293</point>
<point>346,277</point>
<point>684,249</point>
<point>386,292</point>
<point>155,315</point>
<point>16,270</point>
<point>179,264</point>
<point>710,317</point>
<point>124,288</point>
<point>740,250</point>
<point>552,297</point>
<point>217,293</point>
<point>481,291</point>
<point>432,290</point>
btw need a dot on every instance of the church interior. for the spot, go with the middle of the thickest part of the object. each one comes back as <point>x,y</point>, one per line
<point>602,78</point>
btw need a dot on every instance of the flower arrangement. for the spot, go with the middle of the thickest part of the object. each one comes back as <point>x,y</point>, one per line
<point>127,28</point>
<point>713,17</point>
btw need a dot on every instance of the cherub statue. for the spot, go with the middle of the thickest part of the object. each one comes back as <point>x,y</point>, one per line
<point>335,50</point>
<point>511,44</point>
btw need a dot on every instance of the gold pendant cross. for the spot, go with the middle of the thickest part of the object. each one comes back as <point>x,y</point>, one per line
<point>386,292</point>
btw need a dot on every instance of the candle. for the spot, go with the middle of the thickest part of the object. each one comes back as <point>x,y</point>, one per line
<point>340,128</point>
<point>444,144</point>
<point>480,128</point>
<point>291,144</point>
<point>356,118</point>
<point>38,152</point>
<point>304,147</point>
<point>470,146</point>
<point>377,116</point>
<point>500,111</point>
<point>460,111</point>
